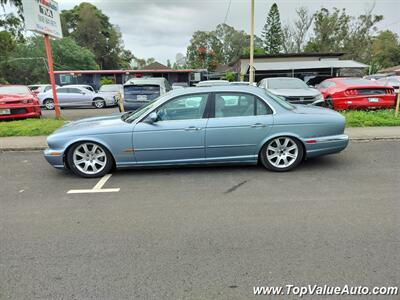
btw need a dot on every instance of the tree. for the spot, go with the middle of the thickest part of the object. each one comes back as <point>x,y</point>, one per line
<point>27,63</point>
<point>338,32</point>
<point>386,49</point>
<point>204,51</point>
<point>272,32</point>
<point>169,64</point>
<point>294,36</point>
<point>330,31</point>
<point>11,22</point>
<point>233,42</point>
<point>91,29</point>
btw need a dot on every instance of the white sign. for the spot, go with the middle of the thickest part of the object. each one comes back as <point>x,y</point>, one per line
<point>42,16</point>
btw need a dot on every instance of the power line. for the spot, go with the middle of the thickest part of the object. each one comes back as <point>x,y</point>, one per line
<point>227,11</point>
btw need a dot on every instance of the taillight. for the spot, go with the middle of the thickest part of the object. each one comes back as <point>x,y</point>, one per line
<point>351,92</point>
<point>390,91</point>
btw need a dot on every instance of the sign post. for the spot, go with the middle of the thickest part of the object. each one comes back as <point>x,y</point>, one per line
<point>43,16</point>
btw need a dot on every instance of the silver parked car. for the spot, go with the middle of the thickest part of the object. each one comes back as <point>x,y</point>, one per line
<point>192,126</point>
<point>293,90</point>
<point>85,86</point>
<point>75,97</point>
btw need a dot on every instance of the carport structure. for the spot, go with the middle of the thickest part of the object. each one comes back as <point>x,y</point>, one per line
<point>311,67</point>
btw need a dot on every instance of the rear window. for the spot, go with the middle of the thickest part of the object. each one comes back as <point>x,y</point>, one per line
<point>280,101</point>
<point>141,92</point>
<point>142,88</point>
<point>358,81</point>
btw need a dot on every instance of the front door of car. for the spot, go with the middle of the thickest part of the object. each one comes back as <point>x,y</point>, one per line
<point>178,134</point>
<point>240,122</point>
<point>80,97</point>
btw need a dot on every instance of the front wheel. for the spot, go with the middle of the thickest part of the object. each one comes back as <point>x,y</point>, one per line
<point>281,154</point>
<point>89,159</point>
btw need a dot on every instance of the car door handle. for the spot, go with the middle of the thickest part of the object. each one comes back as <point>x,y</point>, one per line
<point>192,128</point>
<point>258,125</point>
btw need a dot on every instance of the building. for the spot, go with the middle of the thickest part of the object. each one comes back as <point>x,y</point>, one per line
<point>94,77</point>
<point>391,71</point>
<point>311,67</point>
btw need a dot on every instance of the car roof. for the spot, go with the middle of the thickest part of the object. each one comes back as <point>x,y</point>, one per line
<point>219,88</point>
<point>154,80</point>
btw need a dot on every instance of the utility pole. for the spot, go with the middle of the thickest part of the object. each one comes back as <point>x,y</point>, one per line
<point>251,71</point>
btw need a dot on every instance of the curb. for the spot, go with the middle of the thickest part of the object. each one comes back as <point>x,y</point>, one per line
<point>359,139</point>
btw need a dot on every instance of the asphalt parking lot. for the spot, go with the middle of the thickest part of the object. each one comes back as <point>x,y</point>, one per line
<point>200,233</point>
<point>73,114</point>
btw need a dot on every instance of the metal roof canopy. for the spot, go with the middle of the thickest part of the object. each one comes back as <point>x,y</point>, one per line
<point>304,65</point>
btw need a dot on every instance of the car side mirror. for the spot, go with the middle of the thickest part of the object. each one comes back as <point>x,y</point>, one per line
<point>151,118</point>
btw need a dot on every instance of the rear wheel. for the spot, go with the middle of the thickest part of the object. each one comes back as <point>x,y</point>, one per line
<point>99,103</point>
<point>282,154</point>
<point>89,159</point>
<point>49,104</point>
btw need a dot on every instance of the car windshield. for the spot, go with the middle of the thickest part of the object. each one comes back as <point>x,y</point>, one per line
<point>286,83</point>
<point>131,116</point>
<point>19,90</point>
<point>280,101</point>
<point>109,88</point>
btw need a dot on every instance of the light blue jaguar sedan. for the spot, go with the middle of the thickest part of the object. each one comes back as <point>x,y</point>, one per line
<point>200,126</point>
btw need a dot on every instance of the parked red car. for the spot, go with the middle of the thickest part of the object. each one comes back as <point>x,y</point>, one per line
<point>17,101</point>
<point>351,93</point>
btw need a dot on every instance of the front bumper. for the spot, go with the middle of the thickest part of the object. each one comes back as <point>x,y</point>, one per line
<point>21,112</point>
<point>54,158</point>
<point>325,145</point>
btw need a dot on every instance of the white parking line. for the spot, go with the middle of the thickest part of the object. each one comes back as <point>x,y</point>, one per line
<point>97,188</point>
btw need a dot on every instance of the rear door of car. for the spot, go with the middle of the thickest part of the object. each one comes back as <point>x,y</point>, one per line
<point>238,123</point>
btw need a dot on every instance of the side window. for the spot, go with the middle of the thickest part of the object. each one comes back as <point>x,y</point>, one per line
<point>262,108</point>
<point>184,108</point>
<point>239,105</point>
<point>62,90</point>
<point>74,91</point>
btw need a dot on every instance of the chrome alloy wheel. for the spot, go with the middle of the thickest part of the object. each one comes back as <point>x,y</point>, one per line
<point>89,158</point>
<point>282,152</point>
<point>49,104</point>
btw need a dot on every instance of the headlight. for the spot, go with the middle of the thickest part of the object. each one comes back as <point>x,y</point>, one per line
<point>319,97</point>
<point>27,101</point>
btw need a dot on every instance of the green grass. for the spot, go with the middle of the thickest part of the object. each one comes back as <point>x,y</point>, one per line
<point>44,126</point>
<point>359,118</point>
<point>29,127</point>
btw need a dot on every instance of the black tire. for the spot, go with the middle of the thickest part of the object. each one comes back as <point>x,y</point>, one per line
<point>294,162</point>
<point>329,102</point>
<point>109,161</point>
<point>99,103</point>
<point>47,103</point>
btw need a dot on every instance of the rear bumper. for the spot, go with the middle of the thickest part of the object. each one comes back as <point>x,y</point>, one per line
<point>54,158</point>
<point>386,101</point>
<point>325,145</point>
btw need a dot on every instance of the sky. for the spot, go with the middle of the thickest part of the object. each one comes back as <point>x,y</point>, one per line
<point>162,28</point>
